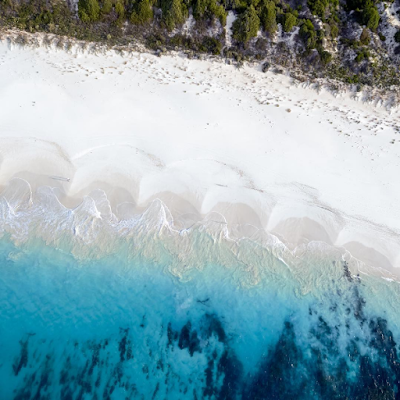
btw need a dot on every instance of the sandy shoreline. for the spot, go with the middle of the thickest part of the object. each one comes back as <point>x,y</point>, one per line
<point>204,137</point>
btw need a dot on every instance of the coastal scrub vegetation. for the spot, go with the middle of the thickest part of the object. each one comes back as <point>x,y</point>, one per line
<point>344,40</point>
<point>246,25</point>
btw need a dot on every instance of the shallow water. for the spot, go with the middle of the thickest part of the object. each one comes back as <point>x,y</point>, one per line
<point>154,314</point>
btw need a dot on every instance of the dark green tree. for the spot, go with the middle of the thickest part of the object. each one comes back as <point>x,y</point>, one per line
<point>317,7</point>
<point>369,12</point>
<point>370,16</point>
<point>333,25</point>
<point>174,12</point>
<point>322,7</point>
<point>308,34</point>
<point>211,45</point>
<point>325,57</point>
<point>208,9</point>
<point>289,22</point>
<point>106,7</point>
<point>246,25</point>
<point>143,13</point>
<point>120,9</point>
<point>268,17</point>
<point>88,10</point>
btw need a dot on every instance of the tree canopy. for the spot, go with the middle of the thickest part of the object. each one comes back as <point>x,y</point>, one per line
<point>268,17</point>
<point>88,10</point>
<point>246,25</point>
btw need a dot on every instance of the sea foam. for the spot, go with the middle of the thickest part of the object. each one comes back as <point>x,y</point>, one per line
<point>93,306</point>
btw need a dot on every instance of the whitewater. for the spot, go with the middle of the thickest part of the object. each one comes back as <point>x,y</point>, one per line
<point>180,229</point>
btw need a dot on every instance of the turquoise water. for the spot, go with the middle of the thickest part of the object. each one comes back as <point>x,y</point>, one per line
<point>92,307</point>
<point>123,326</point>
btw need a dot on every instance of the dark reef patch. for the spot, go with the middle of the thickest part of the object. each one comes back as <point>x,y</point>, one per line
<point>337,352</point>
<point>22,360</point>
<point>368,367</point>
<point>279,374</point>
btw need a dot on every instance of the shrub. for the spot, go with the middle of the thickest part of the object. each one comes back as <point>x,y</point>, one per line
<point>211,45</point>
<point>317,7</point>
<point>325,57</point>
<point>174,13</point>
<point>246,25</point>
<point>120,10</point>
<point>268,17</point>
<point>88,10</point>
<point>308,34</point>
<point>143,13</point>
<point>107,7</point>
<point>370,16</point>
<point>363,54</point>
<point>289,22</point>
<point>334,29</point>
<point>320,7</point>
<point>397,36</point>
<point>369,12</point>
<point>364,37</point>
<point>204,9</point>
<point>155,41</point>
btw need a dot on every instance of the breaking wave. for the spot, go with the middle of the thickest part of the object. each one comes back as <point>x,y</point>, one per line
<point>96,306</point>
<point>93,230</point>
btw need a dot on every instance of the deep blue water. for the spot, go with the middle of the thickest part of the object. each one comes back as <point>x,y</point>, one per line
<point>124,327</point>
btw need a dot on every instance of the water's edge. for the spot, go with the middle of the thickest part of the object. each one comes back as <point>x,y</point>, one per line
<point>92,307</point>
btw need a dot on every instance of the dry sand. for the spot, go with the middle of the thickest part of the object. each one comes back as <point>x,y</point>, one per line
<point>260,150</point>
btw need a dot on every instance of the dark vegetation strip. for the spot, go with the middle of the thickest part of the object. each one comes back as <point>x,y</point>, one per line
<point>317,27</point>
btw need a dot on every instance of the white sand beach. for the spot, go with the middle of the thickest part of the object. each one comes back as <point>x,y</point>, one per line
<point>259,148</point>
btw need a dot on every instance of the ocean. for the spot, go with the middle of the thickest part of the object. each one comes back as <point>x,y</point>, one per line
<point>94,307</point>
